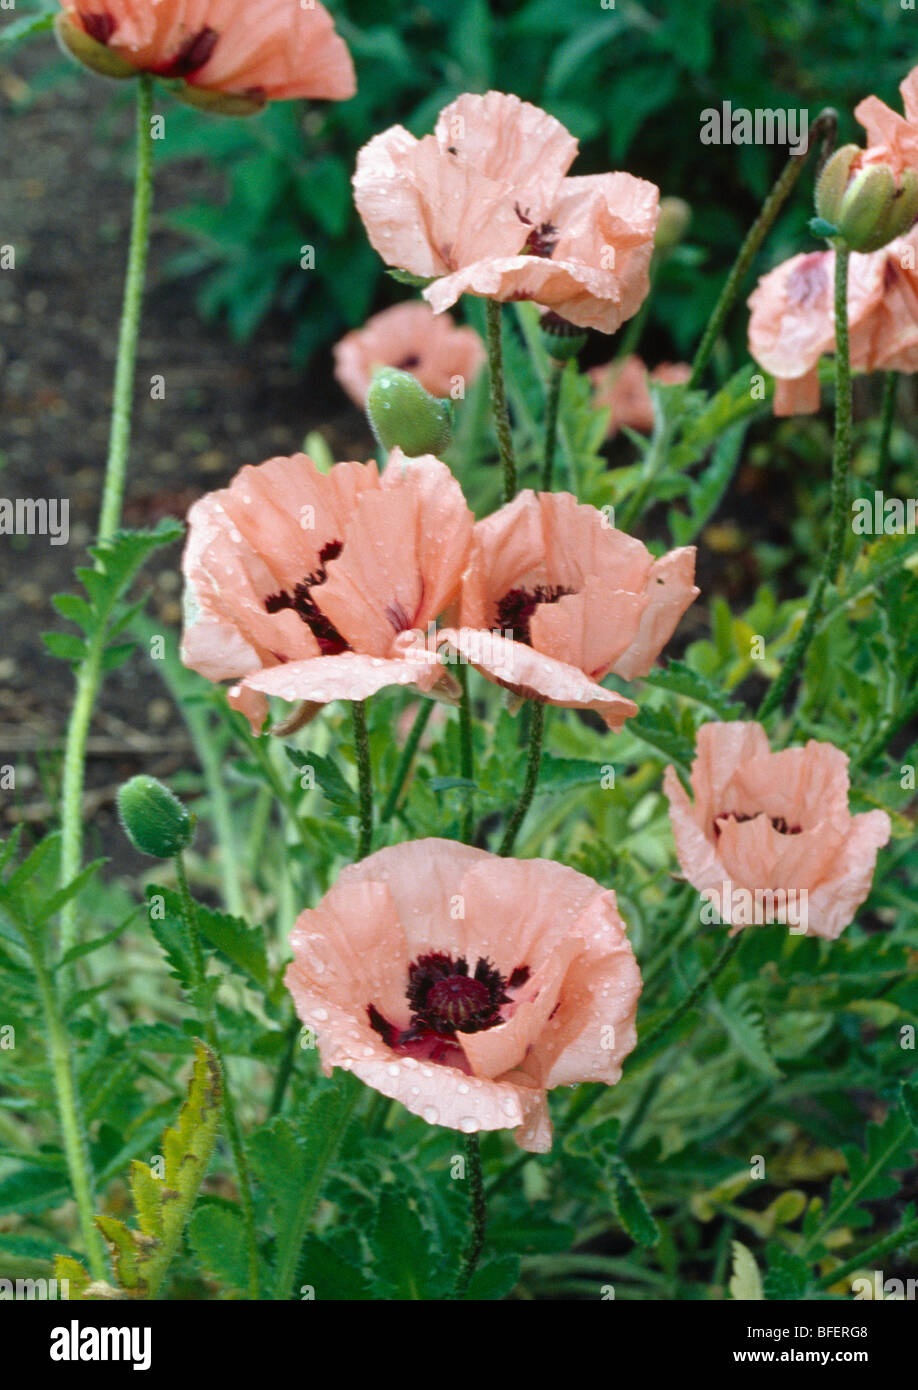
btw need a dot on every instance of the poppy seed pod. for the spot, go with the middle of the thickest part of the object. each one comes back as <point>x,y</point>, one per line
<point>561,339</point>
<point>403,415</point>
<point>154,820</point>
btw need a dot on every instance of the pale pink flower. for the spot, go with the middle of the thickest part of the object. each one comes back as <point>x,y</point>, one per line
<point>413,338</point>
<point>466,986</point>
<point>554,599</point>
<point>892,139</point>
<point>792,324</point>
<point>484,207</point>
<point>622,389</point>
<point>773,821</point>
<point>261,49</point>
<point>316,587</point>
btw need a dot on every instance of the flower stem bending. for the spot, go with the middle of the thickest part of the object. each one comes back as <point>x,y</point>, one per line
<point>823,128</point>
<point>466,754</point>
<point>533,763</point>
<point>552,402</point>
<point>478,1211</point>
<point>89,677</point>
<point>404,763</point>
<point>209,1018</point>
<point>499,399</point>
<point>364,777</point>
<point>841,460</point>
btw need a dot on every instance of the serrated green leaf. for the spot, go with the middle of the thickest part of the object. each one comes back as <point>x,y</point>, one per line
<point>745,1281</point>
<point>217,1237</point>
<point>630,1207</point>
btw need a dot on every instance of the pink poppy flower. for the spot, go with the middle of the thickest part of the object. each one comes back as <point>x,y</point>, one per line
<point>792,324</point>
<point>484,207</point>
<point>315,587</point>
<point>892,139</point>
<point>769,836</point>
<point>263,50</point>
<point>466,986</point>
<point>413,338</point>
<point>554,599</point>
<point>622,389</point>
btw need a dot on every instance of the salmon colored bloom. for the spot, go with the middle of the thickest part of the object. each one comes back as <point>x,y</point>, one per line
<point>414,339</point>
<point>262,50</point>
<point>310,586</point>
<point>466,986</point>
<point>483,206</point>
<point>622,389</point>
<point>554,599</point>
<point>892,139</point>
<point>769,824</point>
<point>792,323</point>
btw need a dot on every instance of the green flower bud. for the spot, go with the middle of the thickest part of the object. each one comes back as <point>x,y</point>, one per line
<point>673,223</point>
<point>95,56</point>
<point>404,415</point>
<point>154,819</point>
<point>561,340</point>
<point>869,207</point>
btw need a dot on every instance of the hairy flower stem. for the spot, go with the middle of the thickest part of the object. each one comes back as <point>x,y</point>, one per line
<point>73,1130</point>
<point>405,761</point>
<point>499,398</point>
<point>552,402</point>
<point>478,1212</point>
<point>364,777</point>
<point>841,460</point>
<point>726,953</point>
<point>890,391</point>
<point>533,763</point>
<point>466,754</point>
<point>89,674</point>
<point>207,1006</point>
<point>823,128</point>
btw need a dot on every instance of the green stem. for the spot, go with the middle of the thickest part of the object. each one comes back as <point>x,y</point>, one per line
<point>478,1211</point>
<point>89,677</point>
<point>890,391</point>
<point>285,1070</point>
<point>364,776</point>
<point>290,1240</point>
<point>896,1240</point>
<point>533,763</point>
<point>552,402</point>
<point>73,1131</point>
<point>499,398</point>
<point>466,754</point>
<point>841,460</point>
<point>209,1019</point>
<point>822,128</point>
<point>405,761</point>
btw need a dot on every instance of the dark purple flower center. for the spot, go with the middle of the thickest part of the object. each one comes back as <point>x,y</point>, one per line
<point>304,605</point>
<point>193,54</point>
<point>515,609</point>
<point>98,26</point>
<point>409,362</point>
<point>779,823</point>
<point>446,999</point>
<point>542,240</point>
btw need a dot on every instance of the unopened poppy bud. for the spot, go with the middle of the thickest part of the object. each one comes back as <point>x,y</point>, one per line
<point>93,55</point>
<point>154,819</point>
<point>403,415</point>
<point>561,340</point>
<point>868,208</point>
<point>672,224</point>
